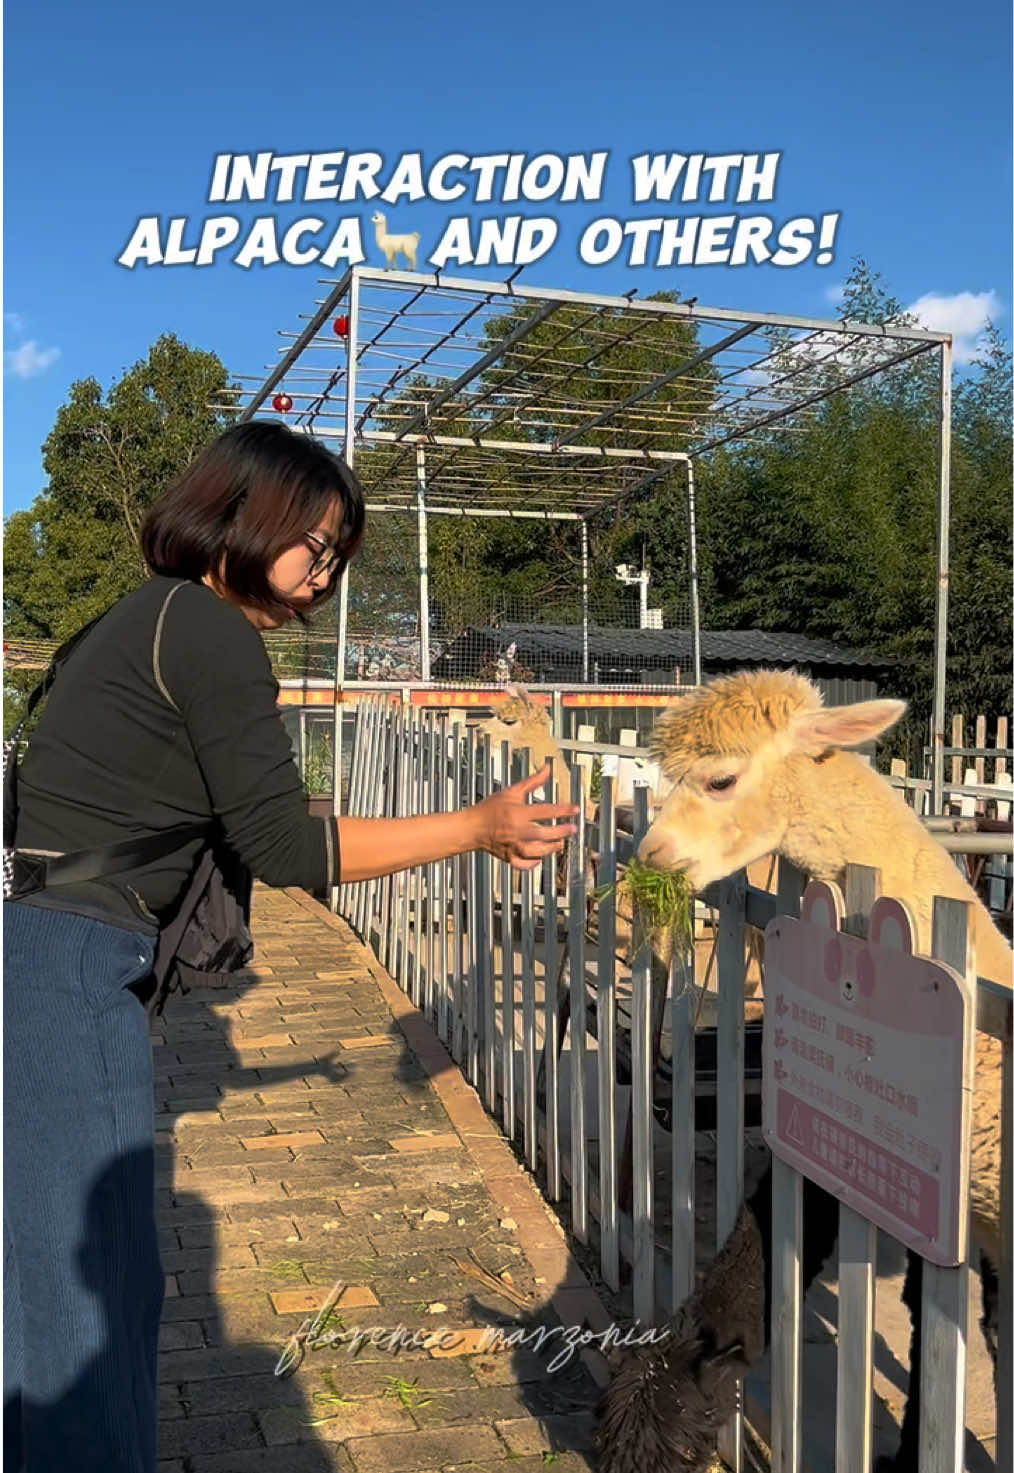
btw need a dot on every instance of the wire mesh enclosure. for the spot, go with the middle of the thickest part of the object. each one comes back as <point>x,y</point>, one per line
<point>503,434</point>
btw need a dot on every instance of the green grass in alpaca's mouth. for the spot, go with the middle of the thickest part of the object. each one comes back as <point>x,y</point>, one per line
<point>663,902</point>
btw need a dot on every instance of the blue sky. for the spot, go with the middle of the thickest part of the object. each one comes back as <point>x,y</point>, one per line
<point>893,112</point>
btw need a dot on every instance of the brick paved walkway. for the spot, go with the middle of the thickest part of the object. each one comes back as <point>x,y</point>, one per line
<point>315,1139</point>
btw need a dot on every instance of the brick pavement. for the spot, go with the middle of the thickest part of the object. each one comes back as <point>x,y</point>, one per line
<point>316,1146</point>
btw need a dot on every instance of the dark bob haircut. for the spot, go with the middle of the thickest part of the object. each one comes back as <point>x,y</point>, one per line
<point>253,493</point>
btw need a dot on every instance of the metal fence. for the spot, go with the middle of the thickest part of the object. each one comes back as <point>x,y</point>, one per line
<point>503,963</point>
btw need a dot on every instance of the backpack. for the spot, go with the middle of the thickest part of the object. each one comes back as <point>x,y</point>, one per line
<point>207,939</point>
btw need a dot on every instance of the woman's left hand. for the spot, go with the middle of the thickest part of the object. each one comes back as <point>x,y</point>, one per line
<point>521,832</point>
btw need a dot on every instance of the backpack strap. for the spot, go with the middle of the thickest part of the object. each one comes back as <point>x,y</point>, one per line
<point>41,871</point>
<point>24,871</point>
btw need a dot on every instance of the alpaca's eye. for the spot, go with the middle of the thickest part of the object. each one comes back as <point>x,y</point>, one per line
<point>720,784</point>
<point>509,720</point>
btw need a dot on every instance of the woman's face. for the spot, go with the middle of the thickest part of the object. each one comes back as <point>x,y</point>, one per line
<point>302,570</point>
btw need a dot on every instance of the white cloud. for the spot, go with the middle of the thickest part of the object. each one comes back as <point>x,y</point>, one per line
<point>964,315</point>
<point>29,360</point>
<point>14,323</point>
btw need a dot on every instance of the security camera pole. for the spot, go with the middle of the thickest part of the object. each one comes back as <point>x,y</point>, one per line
<point>625,575</point>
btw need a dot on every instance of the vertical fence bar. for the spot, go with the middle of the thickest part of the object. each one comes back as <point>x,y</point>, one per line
<point>642,1118</point>
<point>578,1021</point>
<point>786,1279</point>
<point>529,1046</point>
<point>443,876</point>
<point>729,1102</point>
<point>391,807</point>
<point>857,1256</point>
<point>429,998</point>
<point>358,787</point>
<point>418,792</point>
<point>388,883</point>
<point>405,876</point>
<point>683,1055</point>
<point>606,1010</point>
<point>857,1248</point>
<point>458,869</point>
<point>363,891</point>
<point>507,951</point>
<point>342,889</point>
<point>945,1290</point>
<point>381,778</point>
<point>302,743</point>
<point>529,1042</point>
<point>552,1040</point>
<point>487,991</point>
<point>368,738</point>
<point>731,992</point>
<point>786,1318</point>
<point>471,908</point>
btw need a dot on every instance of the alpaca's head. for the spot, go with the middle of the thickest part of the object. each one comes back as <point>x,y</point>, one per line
<point>518,719</point>
<point>735,751</point>
<point>524,722</point>
<point>377,218</point>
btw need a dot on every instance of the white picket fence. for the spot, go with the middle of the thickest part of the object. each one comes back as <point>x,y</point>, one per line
<point>478,948</point>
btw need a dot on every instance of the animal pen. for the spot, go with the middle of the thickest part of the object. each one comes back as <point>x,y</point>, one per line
<point>461,398</point>
<point>451,398</point>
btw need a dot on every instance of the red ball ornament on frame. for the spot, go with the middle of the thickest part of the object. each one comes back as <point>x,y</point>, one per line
<point>341,327</point>
<point>281,404</point>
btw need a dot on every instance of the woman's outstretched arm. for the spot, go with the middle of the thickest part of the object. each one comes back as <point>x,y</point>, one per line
<point>505,825</point>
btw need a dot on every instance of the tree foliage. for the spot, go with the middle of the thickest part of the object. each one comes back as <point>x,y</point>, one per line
<point>75,551</point>
<point>833,531</point>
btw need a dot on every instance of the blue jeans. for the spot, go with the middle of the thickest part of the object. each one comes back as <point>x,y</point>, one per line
<point>83,1283</point>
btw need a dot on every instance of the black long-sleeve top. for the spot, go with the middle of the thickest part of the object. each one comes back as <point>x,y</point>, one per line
<point>166,714</point>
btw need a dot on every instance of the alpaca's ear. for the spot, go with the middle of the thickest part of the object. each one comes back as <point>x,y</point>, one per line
<point>843,726</point>
<point>714,1368</point>
<point>519,691</point>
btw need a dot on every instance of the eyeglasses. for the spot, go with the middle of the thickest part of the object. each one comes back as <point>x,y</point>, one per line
<point>327,558</point>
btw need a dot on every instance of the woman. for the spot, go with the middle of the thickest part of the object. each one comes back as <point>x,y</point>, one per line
<point>164,716</point>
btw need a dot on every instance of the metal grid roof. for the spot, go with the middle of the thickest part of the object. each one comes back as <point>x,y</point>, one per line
<point>530,400</point>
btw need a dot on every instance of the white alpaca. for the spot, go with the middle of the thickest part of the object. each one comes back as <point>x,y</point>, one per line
<point>757,769</point>
<point>395,245</point>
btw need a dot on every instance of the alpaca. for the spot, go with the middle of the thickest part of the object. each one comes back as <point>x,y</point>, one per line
<point>524,722</point>
<point>758,768</point>
<point>394,246</point>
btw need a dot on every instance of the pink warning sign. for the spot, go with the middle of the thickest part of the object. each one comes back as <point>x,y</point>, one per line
<point>885,1180</point>
<point>866,1057</point>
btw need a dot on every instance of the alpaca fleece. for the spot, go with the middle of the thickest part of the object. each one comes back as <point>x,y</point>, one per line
<point>663,1410</point>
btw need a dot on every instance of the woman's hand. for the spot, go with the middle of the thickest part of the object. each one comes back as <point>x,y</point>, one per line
<point>514,829</point>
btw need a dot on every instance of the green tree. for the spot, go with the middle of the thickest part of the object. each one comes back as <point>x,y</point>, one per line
<point>981,632</point>
<point>109,455</point>
<point>831,530</point>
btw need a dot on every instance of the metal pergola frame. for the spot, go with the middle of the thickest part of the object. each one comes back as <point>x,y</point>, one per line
<point>401,324</point>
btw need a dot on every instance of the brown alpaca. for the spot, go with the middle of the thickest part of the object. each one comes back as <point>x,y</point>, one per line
<point>758,768</point>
